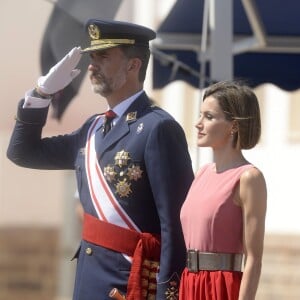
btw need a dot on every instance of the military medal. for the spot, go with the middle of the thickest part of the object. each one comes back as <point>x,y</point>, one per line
<point>134,172</point>
<point>123,188</point>
<point>122,173</point>
<point>109,173</point>
<point>122,158</point>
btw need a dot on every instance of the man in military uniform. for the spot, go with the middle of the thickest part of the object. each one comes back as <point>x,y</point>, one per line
<point>132,166</point>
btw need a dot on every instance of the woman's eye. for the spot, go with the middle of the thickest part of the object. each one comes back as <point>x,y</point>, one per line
<point>206,116</point>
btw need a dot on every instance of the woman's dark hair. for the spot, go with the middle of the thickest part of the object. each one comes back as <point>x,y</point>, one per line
<point>239,104</point>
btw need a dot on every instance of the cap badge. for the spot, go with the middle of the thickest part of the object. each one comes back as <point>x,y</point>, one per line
<point>94,32</point>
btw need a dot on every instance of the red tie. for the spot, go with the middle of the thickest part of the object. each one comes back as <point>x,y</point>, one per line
<point>107,124</point>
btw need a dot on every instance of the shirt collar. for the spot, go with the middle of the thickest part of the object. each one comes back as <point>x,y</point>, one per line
<point>123,106</point>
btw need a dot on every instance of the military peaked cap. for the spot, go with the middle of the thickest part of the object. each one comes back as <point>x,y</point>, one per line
<point>109,34</point>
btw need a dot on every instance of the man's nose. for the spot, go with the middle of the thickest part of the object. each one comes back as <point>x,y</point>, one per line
<point>92,67</point>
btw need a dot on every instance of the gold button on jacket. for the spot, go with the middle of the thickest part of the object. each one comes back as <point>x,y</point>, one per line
<point>88,251</point>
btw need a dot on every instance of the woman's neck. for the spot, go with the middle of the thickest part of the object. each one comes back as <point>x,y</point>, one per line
<point>225,160</point>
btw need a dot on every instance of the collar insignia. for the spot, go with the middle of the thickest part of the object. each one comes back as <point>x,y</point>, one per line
<point>131,116</point>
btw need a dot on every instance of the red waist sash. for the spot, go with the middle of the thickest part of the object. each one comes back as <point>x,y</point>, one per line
<point>143,247</point>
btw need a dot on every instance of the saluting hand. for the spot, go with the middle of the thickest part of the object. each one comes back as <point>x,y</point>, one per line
<point>60,75</point>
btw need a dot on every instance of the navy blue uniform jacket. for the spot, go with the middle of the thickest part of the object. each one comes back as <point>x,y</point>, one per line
<point>156,143</point>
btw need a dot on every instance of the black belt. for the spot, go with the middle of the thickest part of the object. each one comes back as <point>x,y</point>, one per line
<point>209,261</point>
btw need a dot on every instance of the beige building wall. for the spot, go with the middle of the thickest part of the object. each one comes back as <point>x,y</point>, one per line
<point>29,196</point>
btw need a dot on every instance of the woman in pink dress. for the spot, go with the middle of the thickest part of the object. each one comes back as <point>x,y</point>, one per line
<point>223,216</point>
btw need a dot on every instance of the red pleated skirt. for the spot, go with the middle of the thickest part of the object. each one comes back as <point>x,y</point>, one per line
<point>210,285</point>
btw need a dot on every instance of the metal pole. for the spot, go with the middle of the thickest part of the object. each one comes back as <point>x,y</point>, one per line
<point>221,29</point>
<point>202,59</point>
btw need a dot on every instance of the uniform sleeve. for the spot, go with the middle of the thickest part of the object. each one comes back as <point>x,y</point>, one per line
<point>170,173</point>
<point>33,100</point>
<point>28,149</point>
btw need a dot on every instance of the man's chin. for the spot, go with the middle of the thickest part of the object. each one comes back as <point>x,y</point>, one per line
<point>98,89</point>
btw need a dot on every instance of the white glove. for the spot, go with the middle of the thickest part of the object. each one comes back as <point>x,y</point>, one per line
<point>60,75</point>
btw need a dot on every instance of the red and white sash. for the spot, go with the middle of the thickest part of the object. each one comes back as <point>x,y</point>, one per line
<point>107,207</point>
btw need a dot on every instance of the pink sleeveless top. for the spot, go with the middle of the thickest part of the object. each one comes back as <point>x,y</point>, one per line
<point>210,220</point>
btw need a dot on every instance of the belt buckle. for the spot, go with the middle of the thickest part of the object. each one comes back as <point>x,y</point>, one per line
<point>192,261</point>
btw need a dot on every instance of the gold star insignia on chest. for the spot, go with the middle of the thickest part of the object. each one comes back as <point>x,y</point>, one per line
<point>123,173</point>
<point>109,173</point>
<point>121,158</point>
<point>123,188</point>
<point>134,172</point>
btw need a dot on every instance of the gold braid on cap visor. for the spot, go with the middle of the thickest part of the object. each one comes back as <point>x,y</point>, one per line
<point>112,42</point>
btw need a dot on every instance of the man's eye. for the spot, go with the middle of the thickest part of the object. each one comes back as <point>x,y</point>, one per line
<point>99,54</point>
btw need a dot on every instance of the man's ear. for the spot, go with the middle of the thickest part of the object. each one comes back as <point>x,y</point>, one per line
<point>134,64</point>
